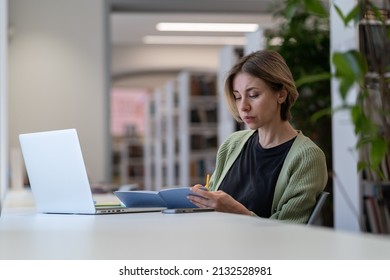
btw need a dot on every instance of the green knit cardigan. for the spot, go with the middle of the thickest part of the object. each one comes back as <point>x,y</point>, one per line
<point>303,176</point>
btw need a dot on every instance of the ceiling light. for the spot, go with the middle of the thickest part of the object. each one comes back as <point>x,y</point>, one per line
<point>196,40</point>
<point>208,27</point>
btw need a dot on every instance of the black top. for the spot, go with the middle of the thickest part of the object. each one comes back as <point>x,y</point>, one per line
<point>252,178</point>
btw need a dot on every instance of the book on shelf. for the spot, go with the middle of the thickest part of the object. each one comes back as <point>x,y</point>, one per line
<point>372,215</point>
<point>377,207</point>
<point>135,150</point>
<point>135,170</point>
<point>385,166</point>
<point>383,216</point>
<point>169,198</point>
<point>197,142</point>
<point>212,115</point>
<point>204,85</point>
<point>203,115</point>
<point>203,142</point>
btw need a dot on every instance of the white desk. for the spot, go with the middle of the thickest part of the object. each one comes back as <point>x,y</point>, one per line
<point>25,234</point>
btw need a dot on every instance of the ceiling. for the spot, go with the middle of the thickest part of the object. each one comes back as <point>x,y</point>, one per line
<point>192,6</point>
<point>131,20</point>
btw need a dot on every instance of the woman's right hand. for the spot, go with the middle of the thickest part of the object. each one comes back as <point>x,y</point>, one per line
<point>218,200</point>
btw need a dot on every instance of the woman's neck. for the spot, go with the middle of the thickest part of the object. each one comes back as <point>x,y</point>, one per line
<point>272,137</point>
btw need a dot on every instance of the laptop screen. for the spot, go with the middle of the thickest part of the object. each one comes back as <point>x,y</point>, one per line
<point>56,171</point>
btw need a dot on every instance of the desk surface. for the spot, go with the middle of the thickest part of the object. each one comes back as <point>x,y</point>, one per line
<point>25,234</point>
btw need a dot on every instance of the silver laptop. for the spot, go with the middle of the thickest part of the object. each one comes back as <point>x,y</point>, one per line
<point>58,177</point>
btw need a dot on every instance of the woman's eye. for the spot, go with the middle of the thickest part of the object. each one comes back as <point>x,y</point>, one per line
<point>237,97</point>
<point>253,95</point>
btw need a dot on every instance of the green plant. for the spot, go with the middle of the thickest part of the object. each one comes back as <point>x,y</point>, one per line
<point>303,39</point>
<point>367,67</point>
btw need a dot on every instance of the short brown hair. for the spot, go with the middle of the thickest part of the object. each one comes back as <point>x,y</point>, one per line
<point>270,67</point>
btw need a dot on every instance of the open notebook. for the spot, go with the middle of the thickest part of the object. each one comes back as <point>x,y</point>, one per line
<point>58,177</point>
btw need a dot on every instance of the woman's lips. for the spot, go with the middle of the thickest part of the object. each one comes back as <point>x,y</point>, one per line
<point>248,119</point>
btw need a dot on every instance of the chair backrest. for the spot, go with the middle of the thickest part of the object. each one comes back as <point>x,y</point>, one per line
<point>317,208</point>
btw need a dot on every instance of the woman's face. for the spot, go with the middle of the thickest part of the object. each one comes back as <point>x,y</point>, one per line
<point>257,104</point>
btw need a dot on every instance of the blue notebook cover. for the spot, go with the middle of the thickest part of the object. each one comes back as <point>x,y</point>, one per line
<point>170,198</point>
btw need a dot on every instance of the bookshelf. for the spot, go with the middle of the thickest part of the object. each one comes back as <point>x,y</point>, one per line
<point>374,45</point>
<point>161,138</point>
<point>148,150</point>
<point>182,135</point>
<point>198,126</point>
<point>376,207</point>
<point>153,143</point>
<point>129,159</point>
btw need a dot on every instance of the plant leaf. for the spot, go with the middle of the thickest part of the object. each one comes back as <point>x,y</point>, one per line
<point>353,15</point>
<point>350,68</point>
<point>320,114</point>
<point>378,151</point>
<point>313,79</point>
<point>290,9</point>
<point>316,7</point>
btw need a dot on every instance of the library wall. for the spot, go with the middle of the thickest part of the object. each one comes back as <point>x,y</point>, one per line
<point>57,74</point>
<point>3,100</point>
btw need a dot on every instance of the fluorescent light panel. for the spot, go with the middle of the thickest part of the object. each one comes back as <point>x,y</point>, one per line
<point>195,40</point>
<point>207,27</point>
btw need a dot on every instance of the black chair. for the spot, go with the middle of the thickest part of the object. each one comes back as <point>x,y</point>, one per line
<point>317,208</point>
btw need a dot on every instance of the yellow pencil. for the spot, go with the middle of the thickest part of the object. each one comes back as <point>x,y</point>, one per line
<point>207,181</point>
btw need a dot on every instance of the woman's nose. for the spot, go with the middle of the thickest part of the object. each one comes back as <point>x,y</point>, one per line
<point>244,106</point>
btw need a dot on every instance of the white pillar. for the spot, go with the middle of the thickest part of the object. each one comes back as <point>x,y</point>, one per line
<point>346,190</point>
<point>226,123</point>
<point>254,41</point>
<point>3,100</point>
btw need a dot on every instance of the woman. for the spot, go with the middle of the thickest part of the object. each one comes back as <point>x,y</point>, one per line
<point>270,170</point>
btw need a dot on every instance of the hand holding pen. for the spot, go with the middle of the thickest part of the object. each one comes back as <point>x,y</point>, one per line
<point>200,191</point>
<point>218,200</point>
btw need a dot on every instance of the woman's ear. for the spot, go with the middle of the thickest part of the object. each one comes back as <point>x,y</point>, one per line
<point>282,95</point>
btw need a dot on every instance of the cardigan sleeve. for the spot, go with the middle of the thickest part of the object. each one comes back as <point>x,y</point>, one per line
<point>304,178</point>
